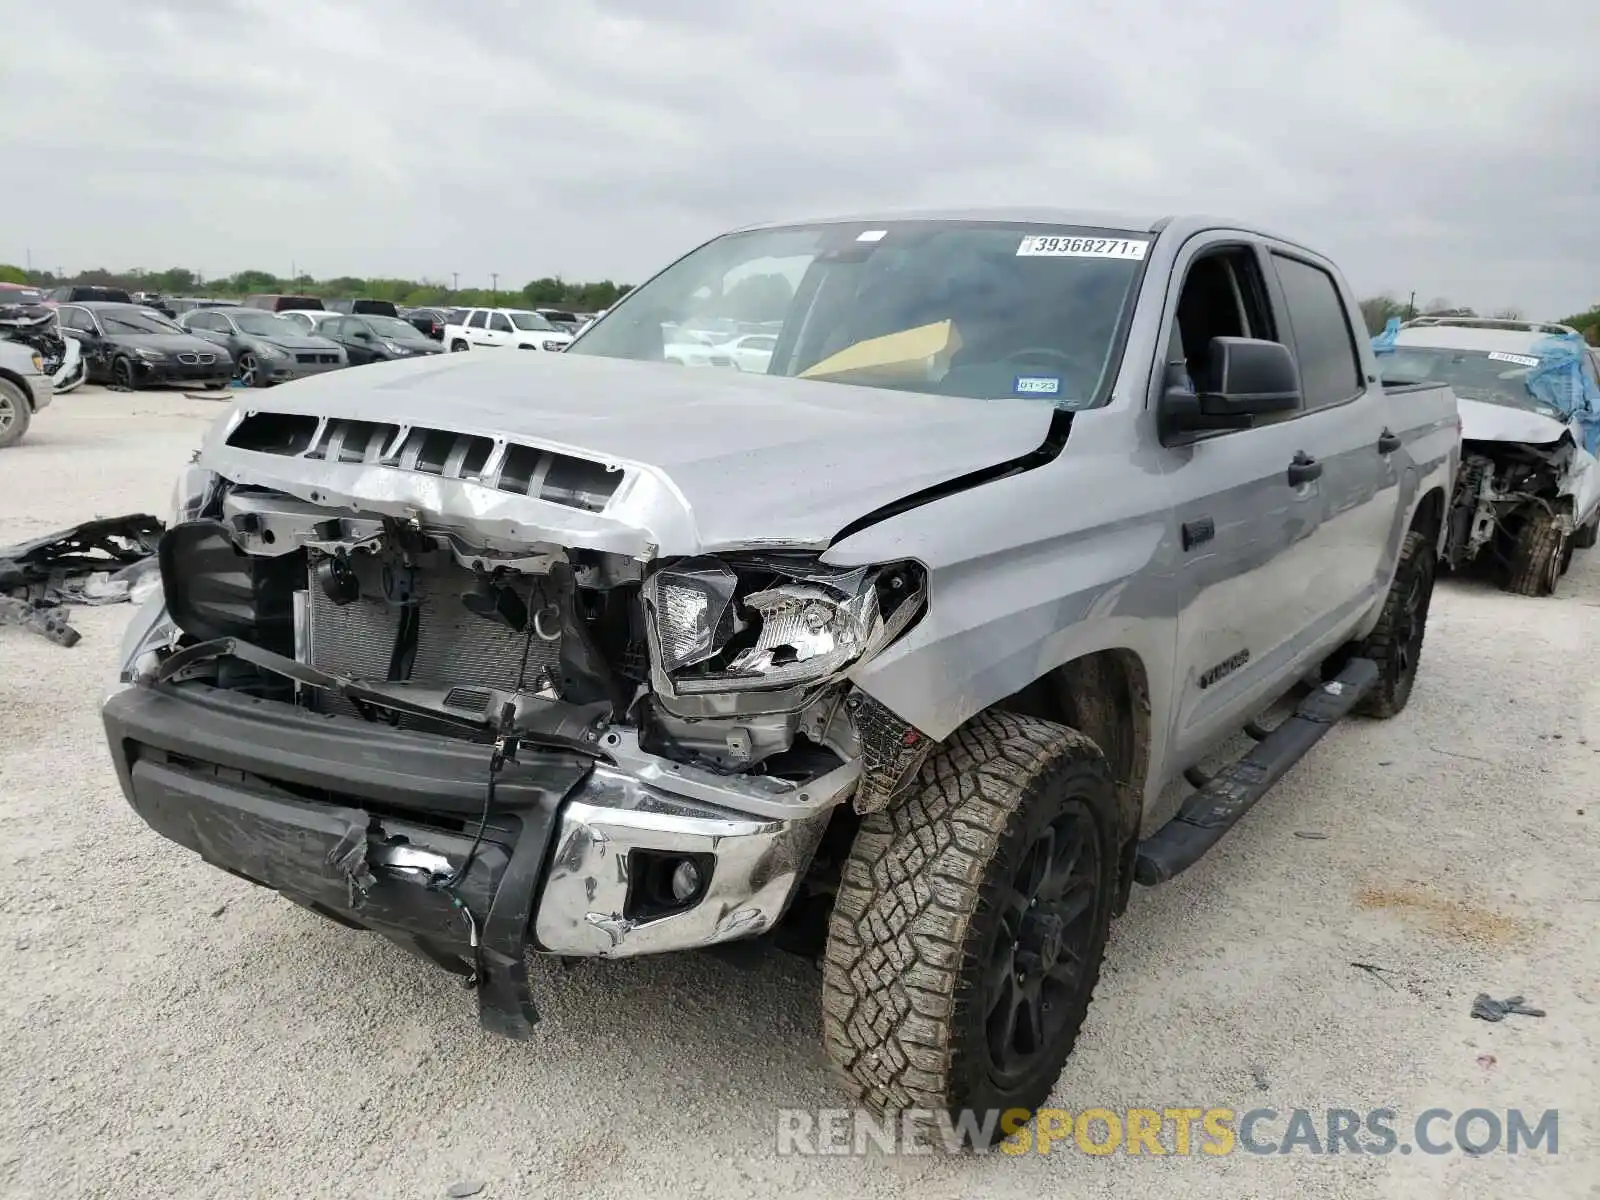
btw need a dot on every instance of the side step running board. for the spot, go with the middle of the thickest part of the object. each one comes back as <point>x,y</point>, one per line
<point>1217,807</point>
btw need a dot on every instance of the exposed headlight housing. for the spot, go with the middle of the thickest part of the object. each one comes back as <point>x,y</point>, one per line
<point>193,492</point>
<point>770,631</point>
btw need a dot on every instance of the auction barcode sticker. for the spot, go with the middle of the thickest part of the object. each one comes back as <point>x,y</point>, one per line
<point>1054,246</point>
<point>1522,360</point>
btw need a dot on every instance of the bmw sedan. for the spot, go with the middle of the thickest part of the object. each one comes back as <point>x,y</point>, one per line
<point>266,348</point>
<point>128,347</point>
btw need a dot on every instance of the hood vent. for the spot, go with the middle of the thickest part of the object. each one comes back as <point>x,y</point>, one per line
<point>521,470</point>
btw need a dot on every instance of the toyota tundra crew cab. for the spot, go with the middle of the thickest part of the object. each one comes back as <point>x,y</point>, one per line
<point>887,653</point>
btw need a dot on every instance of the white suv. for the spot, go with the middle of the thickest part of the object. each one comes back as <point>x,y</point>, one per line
<point>519,327</point>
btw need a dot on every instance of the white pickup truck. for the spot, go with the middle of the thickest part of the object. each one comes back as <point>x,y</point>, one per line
<point>24,389</point>
<point>483,327</point>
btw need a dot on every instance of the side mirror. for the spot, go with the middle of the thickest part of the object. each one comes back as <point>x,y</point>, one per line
<point>1245,378</point>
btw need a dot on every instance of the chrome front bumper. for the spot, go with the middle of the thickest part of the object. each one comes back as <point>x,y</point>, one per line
<point>756,862</point>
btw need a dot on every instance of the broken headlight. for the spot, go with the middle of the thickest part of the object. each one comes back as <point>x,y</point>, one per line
<point>760,626</point>
<point>192,494</point>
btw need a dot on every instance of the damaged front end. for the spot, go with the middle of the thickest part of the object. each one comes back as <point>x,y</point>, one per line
<point>383,691</point>
<point>1506,492</point>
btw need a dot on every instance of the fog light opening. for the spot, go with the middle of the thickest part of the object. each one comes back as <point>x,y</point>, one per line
<point>685,881</point>
<point>661,883</point>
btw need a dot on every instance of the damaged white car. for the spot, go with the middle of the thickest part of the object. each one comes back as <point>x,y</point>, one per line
<point>1528,492</point>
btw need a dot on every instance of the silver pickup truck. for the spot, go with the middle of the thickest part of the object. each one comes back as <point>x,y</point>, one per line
<point>887,652</point>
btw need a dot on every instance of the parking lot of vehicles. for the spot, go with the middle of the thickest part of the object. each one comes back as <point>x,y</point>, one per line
<point>1528,493</point>
<point>513,328</point>
<point>130,347</point>
<point>569,656</point>
<point>265,347</point>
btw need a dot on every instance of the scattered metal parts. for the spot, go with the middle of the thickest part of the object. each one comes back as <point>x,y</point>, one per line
<point>1311,835</point>
<point>47,622</point>
<point>98,562</point>
<point>467,1187</point>
<point>1486,1008</point>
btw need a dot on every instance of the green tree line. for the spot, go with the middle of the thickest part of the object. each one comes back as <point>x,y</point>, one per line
<point>551,291</point>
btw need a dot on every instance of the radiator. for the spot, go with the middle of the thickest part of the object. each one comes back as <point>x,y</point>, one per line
<point>455,646</point>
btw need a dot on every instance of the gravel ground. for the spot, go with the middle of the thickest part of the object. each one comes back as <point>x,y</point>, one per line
<point>176,1032</point>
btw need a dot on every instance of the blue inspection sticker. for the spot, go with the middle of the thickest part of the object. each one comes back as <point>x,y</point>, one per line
<point>1036,385</point>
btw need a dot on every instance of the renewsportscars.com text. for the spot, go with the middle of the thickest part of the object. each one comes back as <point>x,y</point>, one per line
<point>1203,1132</point>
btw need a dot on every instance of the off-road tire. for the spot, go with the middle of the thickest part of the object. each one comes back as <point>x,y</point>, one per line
<point>922,906</point>
<point>16,412</point>
<point>1537,549</point>
<point>1395,643</point>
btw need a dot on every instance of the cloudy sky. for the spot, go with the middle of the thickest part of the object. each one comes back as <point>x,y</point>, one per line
<point>1446,146</point>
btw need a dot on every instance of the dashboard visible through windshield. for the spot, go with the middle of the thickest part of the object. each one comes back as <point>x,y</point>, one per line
<point>953,308</point>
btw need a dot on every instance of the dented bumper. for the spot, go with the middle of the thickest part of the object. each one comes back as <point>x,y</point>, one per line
<point>361,822</point>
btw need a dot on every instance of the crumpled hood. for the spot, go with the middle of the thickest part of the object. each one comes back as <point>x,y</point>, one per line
<point>1483,422</point>
<point>712,459</point>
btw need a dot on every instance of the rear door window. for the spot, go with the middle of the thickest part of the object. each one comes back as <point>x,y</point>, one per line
<point>1323,342</point>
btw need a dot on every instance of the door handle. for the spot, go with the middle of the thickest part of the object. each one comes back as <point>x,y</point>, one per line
<point>1389,442</point>
<point>1303,469</point>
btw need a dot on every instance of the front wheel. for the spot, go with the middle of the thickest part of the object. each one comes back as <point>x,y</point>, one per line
<point>970,923</point>
<point>15,414</point>
<point>247,370</point>
<point>1537,552</point>
<point>122,376</point>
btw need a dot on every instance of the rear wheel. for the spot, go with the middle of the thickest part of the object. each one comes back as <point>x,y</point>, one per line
<point>1537,550</point>
<point>970,923</point>
<point>1395,643</point>
<point>457,346</point>
<point>15,414</point>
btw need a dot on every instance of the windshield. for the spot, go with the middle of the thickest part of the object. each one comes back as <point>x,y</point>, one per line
<point>528,320</point>
<point>133,320</point>
<point>1494,377</point>
<point>951,308</point>
<point>393,329</point>
<point>265,324</point>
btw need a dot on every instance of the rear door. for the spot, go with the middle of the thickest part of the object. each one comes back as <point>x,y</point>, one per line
<point>477,327</point>
<point>499,331</point>
<point>1347,432</point>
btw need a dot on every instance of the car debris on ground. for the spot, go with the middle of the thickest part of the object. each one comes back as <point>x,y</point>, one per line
<point>1486,1008</point>
<point>105,561</point>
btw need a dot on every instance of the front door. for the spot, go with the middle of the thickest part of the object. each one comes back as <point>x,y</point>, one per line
<point>1246,512</point>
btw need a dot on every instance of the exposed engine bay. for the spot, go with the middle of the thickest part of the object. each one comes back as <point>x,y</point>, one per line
<point>1499,488</point>
<point>732,664</point>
